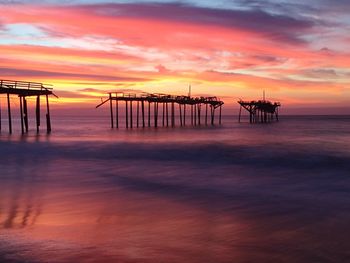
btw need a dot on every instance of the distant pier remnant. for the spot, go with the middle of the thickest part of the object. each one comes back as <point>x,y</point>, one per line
<point>261,111</point>
<point>164,110</point>
<point>24,89</point>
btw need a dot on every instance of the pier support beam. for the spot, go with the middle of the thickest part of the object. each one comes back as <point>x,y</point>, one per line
<point>37,113</point>
<point>184,114</point>
<point>137,113</point>
<point>199,113</point>
<point>131,116</point>
<point>111,110</point>
<point>155,114</point>
<point>149,114</point>
<point>163,113</point>
<point>240,113</point>
<point>167,114</point>
<point>212,115</point>
<point>126,115</point>
<point>195,114</point>
<point>116,111</point>
<point>173,114</point>
<point>0,116</point>
<point>21,111</point>
<point>48,117</point>
<point>143,113</point>
<point>9,112</point>
<point>192,114</point>
<point>180,111</point>
<point>206,114</point>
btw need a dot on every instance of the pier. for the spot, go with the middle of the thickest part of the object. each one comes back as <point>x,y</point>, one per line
<point>24,89</point>
<point>161,109</point>
<point>261,111</point>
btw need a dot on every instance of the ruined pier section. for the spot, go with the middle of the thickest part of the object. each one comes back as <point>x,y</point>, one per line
<point>23,90</point>
<point>261,111</point>
<point>162,110</point>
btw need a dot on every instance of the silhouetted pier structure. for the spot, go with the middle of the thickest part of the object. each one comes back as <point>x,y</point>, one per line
<point>261,111</point>
<point>163,107</point>
<point>24,89</point>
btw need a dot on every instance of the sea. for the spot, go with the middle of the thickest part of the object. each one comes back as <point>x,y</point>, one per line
<point>233,193</point>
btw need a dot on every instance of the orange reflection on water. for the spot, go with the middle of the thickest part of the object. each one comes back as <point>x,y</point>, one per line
<point>112,224</point>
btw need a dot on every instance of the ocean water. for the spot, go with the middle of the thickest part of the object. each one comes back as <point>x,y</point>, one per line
<point>276,192</point>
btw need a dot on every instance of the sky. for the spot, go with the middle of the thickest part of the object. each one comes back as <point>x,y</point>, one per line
<point>297,51</point>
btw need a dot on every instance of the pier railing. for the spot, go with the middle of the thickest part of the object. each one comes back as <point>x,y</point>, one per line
<point>14,84</point>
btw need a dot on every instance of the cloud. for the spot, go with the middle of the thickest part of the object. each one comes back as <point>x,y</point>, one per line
<point>13,72</point>
<point>320,73</point>
<point>275,26</point>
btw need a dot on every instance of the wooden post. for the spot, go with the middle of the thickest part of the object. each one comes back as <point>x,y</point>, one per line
<point>250,114</point>
<point>240,113</point>
<point>206,114</point>
<point>131,117</point>
<point>180,110</point>
<point>185,114</point>
<point>149,114</point>
<point>0,116</point>
<point>195,114</point>
<point>172,114</point>
<point>192,114</point>
<point>199,113</point>
<point>116,111</point>
<point>111,109</point>
<point>126,114</point>
<point>163,112</point>
<point>25,110</point>
<point>167,114</point>
<point>48,117</point>
<point>137,113</point>
<point>21,110</point>
<point>212,115</point>
<point>9,112</point>
<point>155,114</point>
<point>143,113</point>
<point>37,111</point>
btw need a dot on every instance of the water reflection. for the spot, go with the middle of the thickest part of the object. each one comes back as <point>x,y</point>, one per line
<point>233,201</point>
<point>110,224</point>
<point>20,197</point>
<point>75,211</point>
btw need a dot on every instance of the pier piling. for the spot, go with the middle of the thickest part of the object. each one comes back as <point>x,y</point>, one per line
<point>163,101</point>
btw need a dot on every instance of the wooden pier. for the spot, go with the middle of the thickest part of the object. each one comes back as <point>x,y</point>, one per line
<point>261,111</point>
<point>24,89</point>
<point>189,110</point>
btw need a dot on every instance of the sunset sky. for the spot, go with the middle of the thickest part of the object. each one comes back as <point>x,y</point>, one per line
<point>298,51</point>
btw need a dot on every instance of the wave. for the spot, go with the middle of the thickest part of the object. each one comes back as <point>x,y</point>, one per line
<point>279,156</point>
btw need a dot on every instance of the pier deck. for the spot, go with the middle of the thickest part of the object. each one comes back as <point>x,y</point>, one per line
<point>163,104</point>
